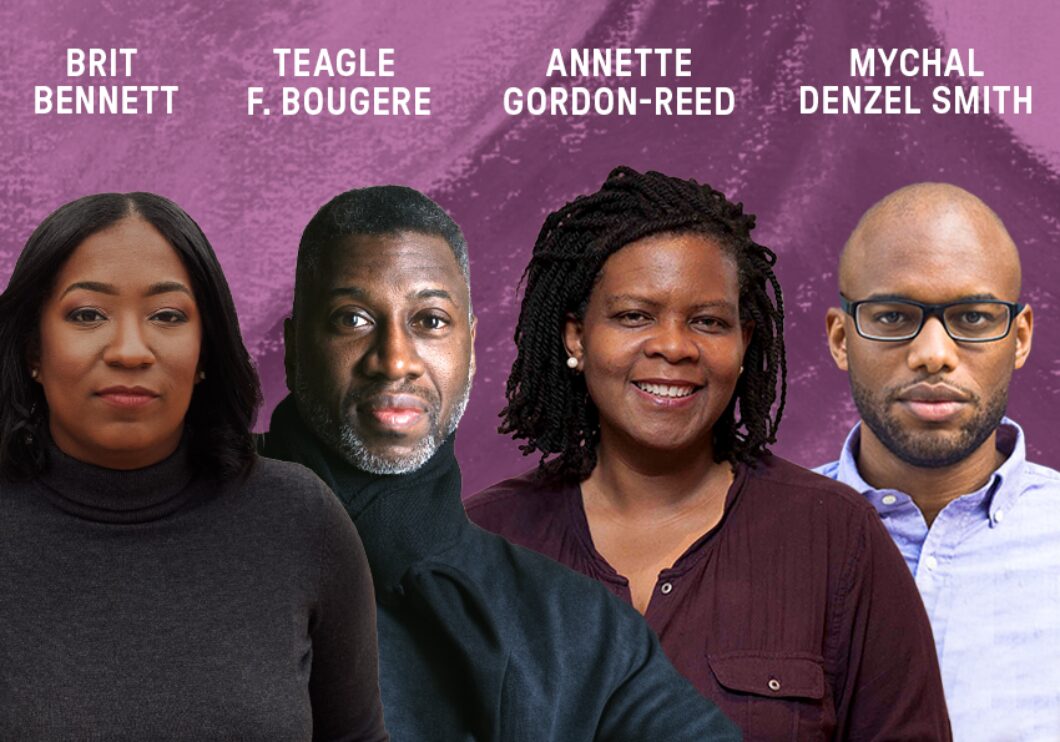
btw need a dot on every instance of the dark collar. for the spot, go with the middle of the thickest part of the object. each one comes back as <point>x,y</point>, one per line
<point>119,496</point>
<point>401,518</point>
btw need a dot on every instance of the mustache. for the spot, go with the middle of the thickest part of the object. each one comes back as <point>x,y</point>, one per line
<point>359,395</point>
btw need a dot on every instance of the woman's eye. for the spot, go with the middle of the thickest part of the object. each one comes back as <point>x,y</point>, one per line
<point>632,319</point>
<point>170,317</point>
<point>710,323</point>
<point>86,316</point>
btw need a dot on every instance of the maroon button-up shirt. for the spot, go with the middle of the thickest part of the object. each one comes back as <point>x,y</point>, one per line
<point>796,613</point>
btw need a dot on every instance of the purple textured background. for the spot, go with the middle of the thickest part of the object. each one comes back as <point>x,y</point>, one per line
<point>253,183</point>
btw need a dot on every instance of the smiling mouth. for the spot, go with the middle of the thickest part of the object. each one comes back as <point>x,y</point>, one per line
<point>668,391</point>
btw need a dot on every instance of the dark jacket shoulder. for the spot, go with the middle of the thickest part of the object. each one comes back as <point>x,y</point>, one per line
<point>571,645</point>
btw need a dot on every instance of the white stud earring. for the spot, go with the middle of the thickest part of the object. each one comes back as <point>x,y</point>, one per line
<point>741,369</point>
<point>572,362</point>
<point>201,375</point>
<point>34,373</point>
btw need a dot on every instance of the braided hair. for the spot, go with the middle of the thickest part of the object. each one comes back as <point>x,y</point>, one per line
<point>548,405</point>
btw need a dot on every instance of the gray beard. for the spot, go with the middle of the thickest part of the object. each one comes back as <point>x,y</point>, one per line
<point>925,450</point>
<point>337,432</point>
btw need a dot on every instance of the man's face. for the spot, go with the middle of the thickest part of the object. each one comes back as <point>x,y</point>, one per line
<point>380,355</point>
<point>931,401</point>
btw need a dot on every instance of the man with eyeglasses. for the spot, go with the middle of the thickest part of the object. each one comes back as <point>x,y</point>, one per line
<point>930,329</point>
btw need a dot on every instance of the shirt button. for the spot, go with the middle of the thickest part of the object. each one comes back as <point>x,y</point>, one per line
<point>666,588</point>
<point>889,499</point>
<point>774,684</point>
<point>931,562</point>
<point>999,516</point>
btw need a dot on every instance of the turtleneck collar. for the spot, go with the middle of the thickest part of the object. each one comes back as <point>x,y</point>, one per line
<point>401,518</point>
<point>115,495</point>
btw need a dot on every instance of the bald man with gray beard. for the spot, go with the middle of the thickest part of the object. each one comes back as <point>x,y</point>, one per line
<point>930,329</point>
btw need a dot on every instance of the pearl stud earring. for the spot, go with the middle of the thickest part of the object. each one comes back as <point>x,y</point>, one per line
<point>572,362</point>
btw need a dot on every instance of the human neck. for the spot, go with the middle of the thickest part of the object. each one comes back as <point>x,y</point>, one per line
<point>932,489</point>
<point>88,452</point>
<point>633,479</point>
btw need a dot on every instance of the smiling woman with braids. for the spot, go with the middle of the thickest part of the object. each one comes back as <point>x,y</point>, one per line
<point>650,377</point>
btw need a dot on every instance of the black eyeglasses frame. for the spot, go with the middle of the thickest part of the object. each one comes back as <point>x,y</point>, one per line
<point>928,311</point>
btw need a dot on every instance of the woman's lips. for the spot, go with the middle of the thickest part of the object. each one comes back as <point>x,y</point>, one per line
<point>666,393</point>
<point>121,396</point>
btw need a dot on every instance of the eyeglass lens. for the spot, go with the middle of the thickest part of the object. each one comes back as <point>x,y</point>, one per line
<point>896,321</point>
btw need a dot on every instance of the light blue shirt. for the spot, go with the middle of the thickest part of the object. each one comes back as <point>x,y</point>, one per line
<point>988,570</point>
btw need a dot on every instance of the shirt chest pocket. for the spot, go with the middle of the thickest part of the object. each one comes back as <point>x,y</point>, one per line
<point>774,695</point>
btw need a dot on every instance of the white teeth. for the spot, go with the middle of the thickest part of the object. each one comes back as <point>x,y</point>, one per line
<point>665,390</point>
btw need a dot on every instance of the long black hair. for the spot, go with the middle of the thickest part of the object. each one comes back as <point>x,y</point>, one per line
<point>548,405</point>
<point>224,403</point>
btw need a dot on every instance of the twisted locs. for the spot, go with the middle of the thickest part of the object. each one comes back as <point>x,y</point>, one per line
<point>548,406</point>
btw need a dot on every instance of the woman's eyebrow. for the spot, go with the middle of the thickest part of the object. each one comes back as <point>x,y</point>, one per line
<point>165,287</point>
<point>97,286</point>
<point>162,287</point>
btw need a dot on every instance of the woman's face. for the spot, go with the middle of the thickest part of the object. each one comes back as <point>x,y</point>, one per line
<point>120,337</point>
<point>661,342</point>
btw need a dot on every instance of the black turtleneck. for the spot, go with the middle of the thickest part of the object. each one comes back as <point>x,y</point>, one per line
<point>159,604</point>
<point>479,639</point>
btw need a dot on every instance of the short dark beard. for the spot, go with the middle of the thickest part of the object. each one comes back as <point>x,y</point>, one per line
<point>336,430</point>
<point>925,450</point>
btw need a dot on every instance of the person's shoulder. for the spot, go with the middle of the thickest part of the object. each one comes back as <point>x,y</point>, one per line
<point>517,503</point>
<point>290,488</point>
<point>1041,473</point>
<point>514,573</point>
<point>830,470</point>
<point>1039,493</point>
<point>546,597</point>
<point>295,477</point>
<point>502,493</point>
<point>780,479</point>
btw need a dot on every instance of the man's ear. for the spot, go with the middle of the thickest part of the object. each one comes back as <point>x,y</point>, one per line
<point>836,330</point>
<point>474,329</point>
<point>290,357</point>
<point>572,339</point>
<point>1024,329</point>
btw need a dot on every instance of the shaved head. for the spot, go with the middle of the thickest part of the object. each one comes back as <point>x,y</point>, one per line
<point>932,226</point>
<point>929,400</point>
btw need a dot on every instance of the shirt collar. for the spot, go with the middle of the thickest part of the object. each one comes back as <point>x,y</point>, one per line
<point>1001,490</point>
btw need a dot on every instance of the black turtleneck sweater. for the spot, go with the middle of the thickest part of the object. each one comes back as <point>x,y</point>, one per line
<point>479,639</point>
<point>160,605</point>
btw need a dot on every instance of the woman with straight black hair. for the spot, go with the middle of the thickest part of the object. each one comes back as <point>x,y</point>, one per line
<point>159,580</point>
